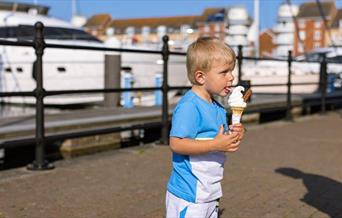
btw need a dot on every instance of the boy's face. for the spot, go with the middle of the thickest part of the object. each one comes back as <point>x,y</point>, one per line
<point>219,79</point>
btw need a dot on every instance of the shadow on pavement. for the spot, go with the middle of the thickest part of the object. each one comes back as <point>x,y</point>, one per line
<point>324,194</point>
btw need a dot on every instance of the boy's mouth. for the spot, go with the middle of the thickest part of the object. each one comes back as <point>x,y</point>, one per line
<point>227,89</point>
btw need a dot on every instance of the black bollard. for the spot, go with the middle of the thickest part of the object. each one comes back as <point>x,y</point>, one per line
<point>39,45</point>
<point>165,90</point>
<point>289,101</point>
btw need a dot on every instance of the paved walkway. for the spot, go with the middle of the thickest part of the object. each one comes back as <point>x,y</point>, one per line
<point>282,170</point>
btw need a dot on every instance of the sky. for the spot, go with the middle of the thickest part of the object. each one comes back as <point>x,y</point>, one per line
<point>121,9</point>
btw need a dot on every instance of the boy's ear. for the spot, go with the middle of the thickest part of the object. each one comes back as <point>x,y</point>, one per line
<point>200,77</point>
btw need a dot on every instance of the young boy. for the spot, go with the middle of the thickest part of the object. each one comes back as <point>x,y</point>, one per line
<point>199,135</point>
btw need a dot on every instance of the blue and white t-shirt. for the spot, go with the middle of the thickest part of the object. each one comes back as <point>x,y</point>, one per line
<point>196,178</point>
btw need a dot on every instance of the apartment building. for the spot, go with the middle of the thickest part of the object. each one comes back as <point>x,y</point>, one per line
<point>224,23</point>
<point>312,31</point>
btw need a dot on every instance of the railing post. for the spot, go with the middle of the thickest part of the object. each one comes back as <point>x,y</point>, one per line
<point>323,82</point>
<point>39,45</point>
<point>289,103</point>
<point>240,54</point>
<point>165,90</point>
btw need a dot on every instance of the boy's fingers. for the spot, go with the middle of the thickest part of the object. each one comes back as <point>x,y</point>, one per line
<point>235,125</point>
<point>236,128</point>
<point>232,149</point>
<point>236,144</point>
<point>234,135</point>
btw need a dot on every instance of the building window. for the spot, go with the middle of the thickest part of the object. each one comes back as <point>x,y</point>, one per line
<point>301,24</point>
<point>317,24</point>
<point>184,28</point>
<point>110,31</point>
<point>161,31</point>
<point>302,35</point>
<point>206,28</point>
<point>170,30</point>
<point>145,30</point>
<point>317,35</point>
<point>217,28</point>
<point>300,48</point>
<point>317,45</point>
<point>130,31</point>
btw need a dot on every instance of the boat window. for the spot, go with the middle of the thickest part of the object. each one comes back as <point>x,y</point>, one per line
<point>336,59</point>
<point>25,32</point>
<point>8,32</point>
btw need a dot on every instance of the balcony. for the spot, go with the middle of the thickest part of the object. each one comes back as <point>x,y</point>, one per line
<point>238,30</point>
<point>238,22</point>
<point>236,40</point>
<point>284,39</point>
<point>284,28</point>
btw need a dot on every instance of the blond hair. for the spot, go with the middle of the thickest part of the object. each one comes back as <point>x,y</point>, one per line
<point>203,52</point>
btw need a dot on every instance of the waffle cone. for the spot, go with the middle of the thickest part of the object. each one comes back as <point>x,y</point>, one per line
<point>237,114</point>
<point>237,110</point>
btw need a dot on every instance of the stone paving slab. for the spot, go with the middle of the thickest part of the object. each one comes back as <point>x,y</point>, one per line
<point>283,169</point>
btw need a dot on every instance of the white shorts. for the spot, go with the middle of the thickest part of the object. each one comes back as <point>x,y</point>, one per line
<point>179,208</point>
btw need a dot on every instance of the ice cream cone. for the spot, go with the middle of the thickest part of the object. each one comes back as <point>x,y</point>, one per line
<point>237,102</point>
<point>237,114</point>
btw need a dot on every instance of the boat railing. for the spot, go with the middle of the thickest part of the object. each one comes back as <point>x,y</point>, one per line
<point>41,140</point>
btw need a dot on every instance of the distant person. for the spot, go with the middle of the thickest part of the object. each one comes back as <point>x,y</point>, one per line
<point>199,135</point>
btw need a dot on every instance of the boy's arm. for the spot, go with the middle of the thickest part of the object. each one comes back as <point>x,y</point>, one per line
<point>190,146</point>
<point>222,142</point>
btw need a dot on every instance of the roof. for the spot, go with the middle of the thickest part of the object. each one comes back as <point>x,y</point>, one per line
<point>98,20</point>
<point>310,9</point>
<point>175,21</point>
<point>154,22</point>
<point>336,20</point>
<point>268,31</point>
<point>23,7</point>
<point>208,12</point>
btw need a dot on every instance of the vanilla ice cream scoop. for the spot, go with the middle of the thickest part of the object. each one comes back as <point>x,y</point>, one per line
<point>236,98</point>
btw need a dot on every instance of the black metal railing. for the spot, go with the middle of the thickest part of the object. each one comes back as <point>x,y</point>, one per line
<point>40,93</point>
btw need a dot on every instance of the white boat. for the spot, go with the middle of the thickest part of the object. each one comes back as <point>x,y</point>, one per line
<point>65,69</point>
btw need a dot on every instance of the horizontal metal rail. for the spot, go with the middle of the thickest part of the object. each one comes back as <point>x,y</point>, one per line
<point>143,89</point>
<point>116,90</point>
<point>77,134</point>
<point>98,48</point>
<point>16,43</point>
<point>19,94</point>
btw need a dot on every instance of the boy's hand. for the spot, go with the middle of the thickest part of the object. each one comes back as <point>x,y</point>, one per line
<point>238,128</point>
<point>226,142</point>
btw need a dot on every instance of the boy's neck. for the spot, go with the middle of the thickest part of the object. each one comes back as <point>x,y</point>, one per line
<point>202,93</point>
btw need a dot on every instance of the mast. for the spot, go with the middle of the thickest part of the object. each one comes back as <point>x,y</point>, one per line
<point>73,8</point>
<point>256,20</point>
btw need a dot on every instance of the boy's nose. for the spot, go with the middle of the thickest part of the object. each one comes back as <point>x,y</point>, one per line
<point>230,77</point>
